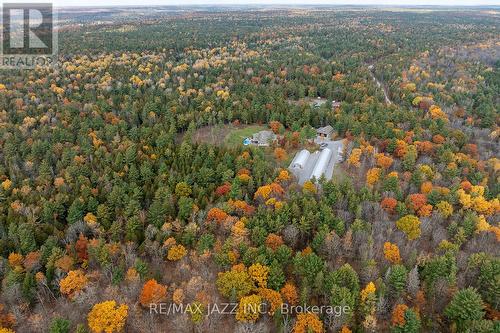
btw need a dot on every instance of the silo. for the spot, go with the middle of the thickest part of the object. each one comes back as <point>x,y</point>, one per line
<point>321,163</point>
<point>301,159</point>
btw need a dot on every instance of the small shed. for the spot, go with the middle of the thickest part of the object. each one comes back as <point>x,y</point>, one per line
<point>324,132</point>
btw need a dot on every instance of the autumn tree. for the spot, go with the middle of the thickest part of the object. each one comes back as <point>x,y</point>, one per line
<point>280,154</point>
<point>73,283</point>
<point>308,322</point>
<point>152,293</point>
<point>107,317</point>
<point>234,283</point>
<point>410,225</point>
<point>176,252</point>
<point>249,308</point>
<point>391,253</point>
<point>383,161</point>
<point>289,293</point>
<point>372,176</point>
<point>259,274</point>
<point>389,204</point>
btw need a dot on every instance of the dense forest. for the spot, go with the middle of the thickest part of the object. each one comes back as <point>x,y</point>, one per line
<point>120,190</point>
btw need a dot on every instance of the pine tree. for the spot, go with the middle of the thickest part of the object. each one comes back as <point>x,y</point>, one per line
<point>465,307</point>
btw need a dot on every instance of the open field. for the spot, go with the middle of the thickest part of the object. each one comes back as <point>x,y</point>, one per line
<point>237,135</point>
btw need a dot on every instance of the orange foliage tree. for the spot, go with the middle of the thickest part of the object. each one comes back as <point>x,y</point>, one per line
<point>273,298</point>
<point>152,293</point>
<point>383,161</point>
<point>289,293</point>
<point>222,190</point>
<point>275,126</point>
<point>273,241</point>
<point>308,323</point>
<point>426,187</point>
<point>401,148</point>
<point>389,204</point>
<point>280,154</point>
<point>216,214</point>
<point>283,176</point>
<point>398,315</point>
<point>417,200</point>
<point>81,248</point>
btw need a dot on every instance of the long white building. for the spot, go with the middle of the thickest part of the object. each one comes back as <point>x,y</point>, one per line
<point>306,165</point>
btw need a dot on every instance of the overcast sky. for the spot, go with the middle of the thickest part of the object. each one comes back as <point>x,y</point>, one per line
<point>61,3</point>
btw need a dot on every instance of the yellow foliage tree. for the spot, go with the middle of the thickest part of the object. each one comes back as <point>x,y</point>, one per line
<point>391,253</point>
<point>482,206</point>
<point>6,330</point>
<point>354,157</point>
<point>235,283</point>
<point>259,274</point>
<point>309,187</point>
<point>445,208</point>
<point>464,198</point>
<point>372,176</point>
<point>107,317</point>
<point>15,259</point>
<point>73,283</point>
<point>6,184</point>
<point>176,252</point>
<point>436,113</point>
<point>410,225</point>
<point>370,289</point>
<point>249,308</point>
<point>482,224</point>
<point>263,192</point>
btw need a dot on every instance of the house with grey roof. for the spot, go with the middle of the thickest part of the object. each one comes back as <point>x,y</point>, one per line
<point>263,138</point>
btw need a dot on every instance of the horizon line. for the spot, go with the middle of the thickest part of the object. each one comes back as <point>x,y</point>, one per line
<point>283,5</point>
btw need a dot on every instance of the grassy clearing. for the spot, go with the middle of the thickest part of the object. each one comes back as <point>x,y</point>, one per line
<point>236,136</point>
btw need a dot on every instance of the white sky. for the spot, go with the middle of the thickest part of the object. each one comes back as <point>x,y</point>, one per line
<point>63,3</point>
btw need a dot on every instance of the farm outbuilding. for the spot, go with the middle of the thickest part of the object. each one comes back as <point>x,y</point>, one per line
<point>306,165</point>
<point>300,160</point>
<point>321,164</point>
<point>325,132</point>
